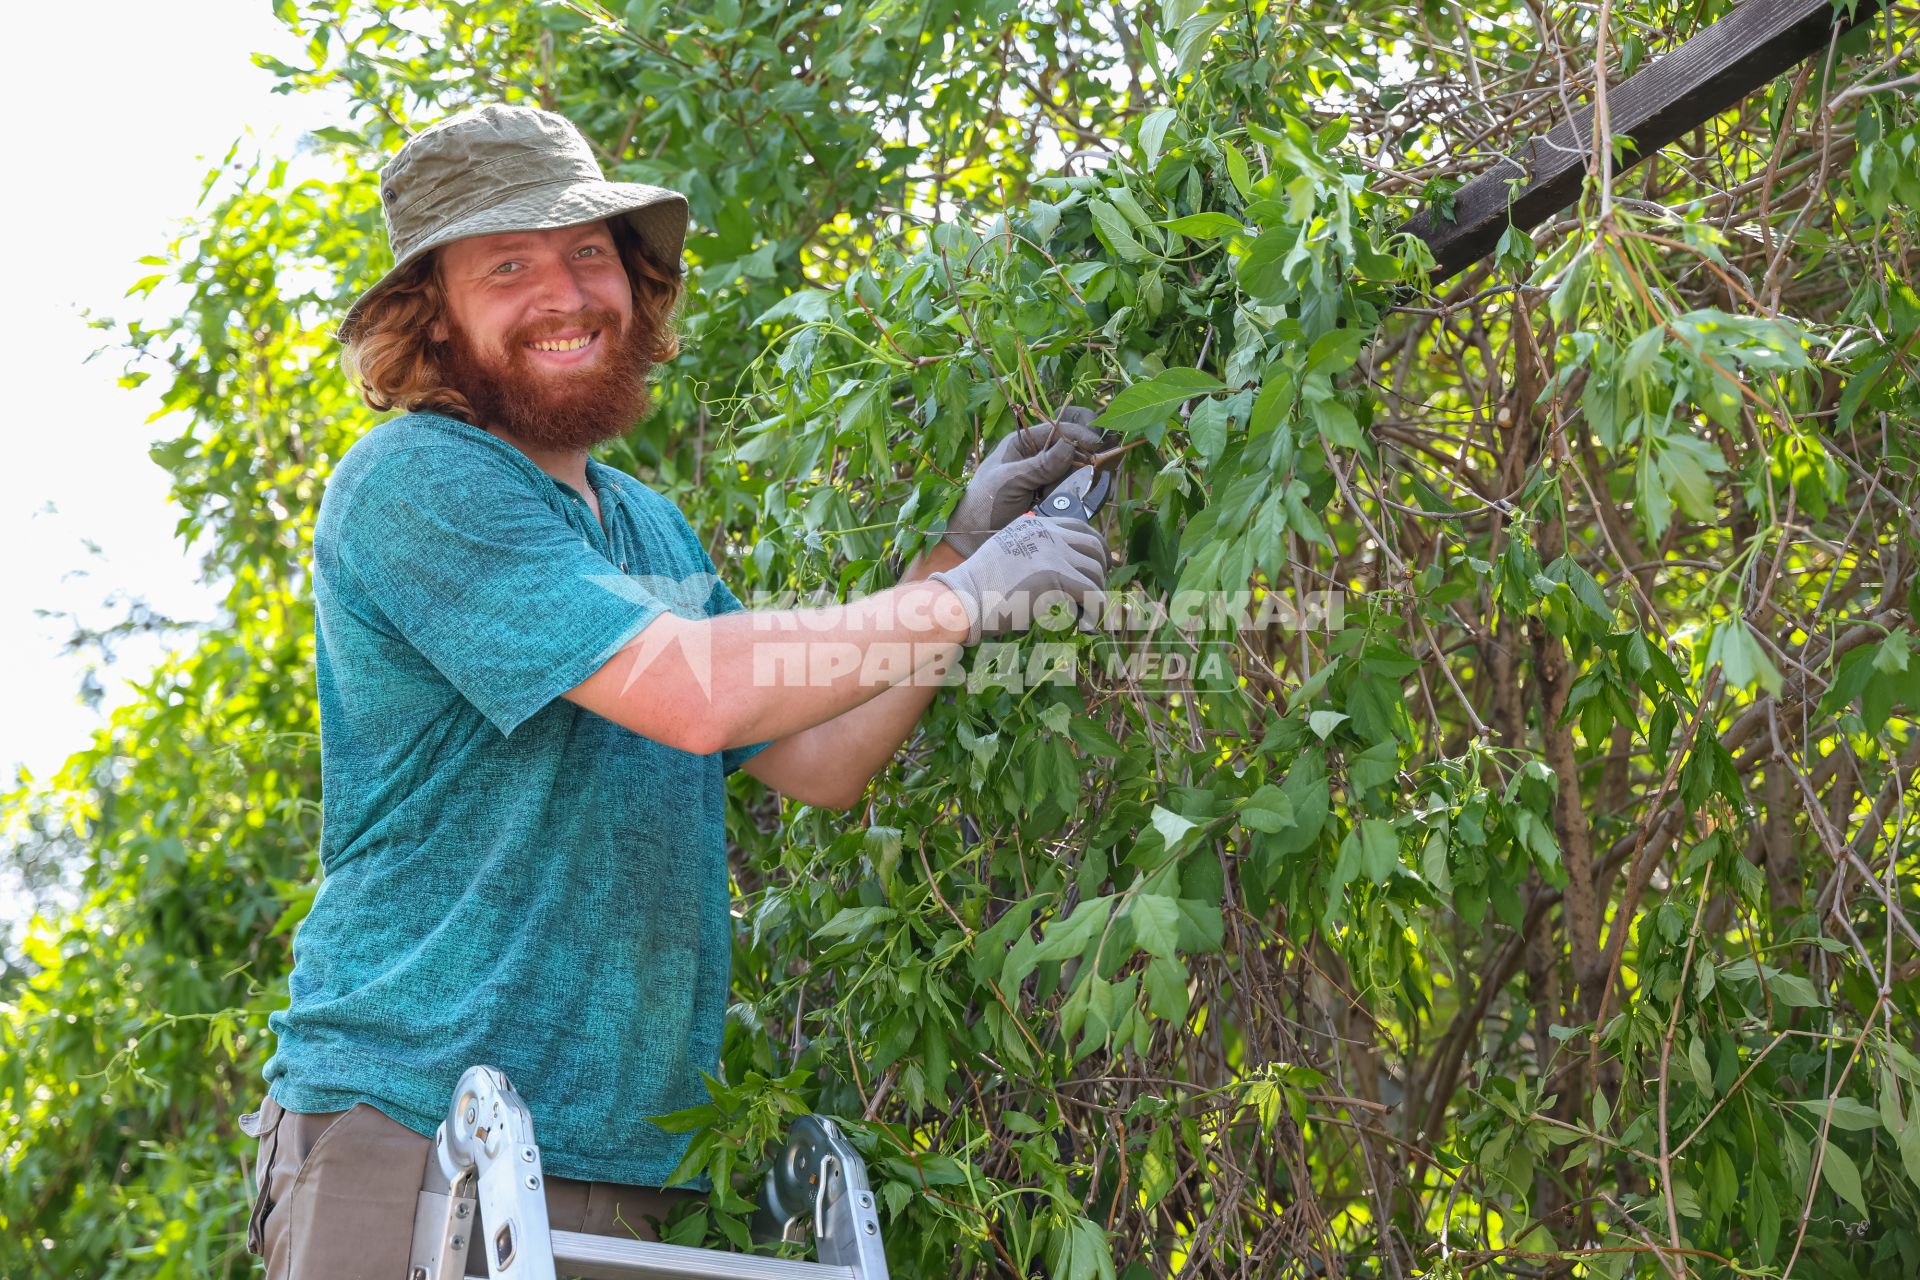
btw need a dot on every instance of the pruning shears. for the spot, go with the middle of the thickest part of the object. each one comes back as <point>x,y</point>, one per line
<point>1079,496</point>
<point>1082,493</point>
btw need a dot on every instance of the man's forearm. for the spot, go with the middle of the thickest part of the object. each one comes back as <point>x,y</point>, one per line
<point>877,728</point>
<point>842,755</point>
<point>710,683</point>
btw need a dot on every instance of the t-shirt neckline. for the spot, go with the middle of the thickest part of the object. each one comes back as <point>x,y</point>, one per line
<point>605,493</point>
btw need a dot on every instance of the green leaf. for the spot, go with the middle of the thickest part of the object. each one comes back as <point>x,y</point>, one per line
<point>562,18</point>
<point>1153,133</point>
<point>1301,519</point>
<point>1910,1146</point>
<point>1129,206</point>
<point>1794,990</point>
<point>1334,353</point>
<point>758,265</point>
<point>1158,1169</point>
<point>883,845</point>
<point>1205,226</point>
<point>640,15</point>
<point>1093,738</point>
<point>1156,923</point>
<point>1166,986</point>
<point>1641,355</point>
<point>1078,1251</point>
<point>1848,1114</point>
<point>1325,722</point>
<point>1064,938</point>
<point>1377,766</point>
<point>1147,404</point>
<point>1890,655</point>
<point>1536,837</point>
<point>1261,266</point>
<point>1113,229</point>
<point>1237,170</point>
<point>850,922</point>
<point>1202,928</point>
<point>1207,428</point>
<point>1516,248</point>
<point>1686,465</point>
<point>806,305</point>
<point>1434,866</point>
<point>1336,424</point>
<point>1173,828</point>
<point>1742,659</point>
<point>1763,1219</point>
<point>1274,401</point>
<point>1307,785</point>
<point>1268,809</point>
<point>1191,41</point>
<point>1379,849</point>
<point>1697,1064</point>
<point>1843,1175</point>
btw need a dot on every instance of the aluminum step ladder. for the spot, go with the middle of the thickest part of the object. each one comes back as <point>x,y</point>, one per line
<point>485,1156</point>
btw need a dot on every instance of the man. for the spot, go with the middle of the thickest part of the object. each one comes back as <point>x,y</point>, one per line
<point>531,689</point>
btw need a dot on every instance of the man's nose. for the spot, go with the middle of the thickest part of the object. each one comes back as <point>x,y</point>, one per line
<point>561,290</point>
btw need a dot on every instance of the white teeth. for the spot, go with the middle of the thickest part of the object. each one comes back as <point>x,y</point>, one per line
<point>566,344</point>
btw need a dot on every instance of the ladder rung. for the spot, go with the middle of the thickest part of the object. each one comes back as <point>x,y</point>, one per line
<point>610,1258</point>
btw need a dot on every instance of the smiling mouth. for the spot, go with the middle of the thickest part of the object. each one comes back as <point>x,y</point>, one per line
<point>566,344</point>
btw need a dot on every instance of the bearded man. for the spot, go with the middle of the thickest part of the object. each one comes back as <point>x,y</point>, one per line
<point>532,686</point>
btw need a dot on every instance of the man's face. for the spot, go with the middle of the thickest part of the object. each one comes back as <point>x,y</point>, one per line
<point>539,334</point>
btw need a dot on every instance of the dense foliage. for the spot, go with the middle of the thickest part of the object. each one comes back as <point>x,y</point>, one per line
<point>1536,898</point>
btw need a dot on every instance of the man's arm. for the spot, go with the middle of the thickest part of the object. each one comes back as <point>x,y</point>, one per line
<point>744,677</point>
<point>831,764</point>
<point>706,684</point>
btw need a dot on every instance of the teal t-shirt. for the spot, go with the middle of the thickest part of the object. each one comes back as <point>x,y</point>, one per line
<point>509,878</point>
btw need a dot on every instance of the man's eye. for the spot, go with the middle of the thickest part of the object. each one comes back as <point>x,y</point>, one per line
<point>506,268</point>
<point>592,248</point>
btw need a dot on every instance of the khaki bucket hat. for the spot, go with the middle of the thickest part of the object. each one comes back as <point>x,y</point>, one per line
<point>504,168</point>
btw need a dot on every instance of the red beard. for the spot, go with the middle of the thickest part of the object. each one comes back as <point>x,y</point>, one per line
<point>553,408</point>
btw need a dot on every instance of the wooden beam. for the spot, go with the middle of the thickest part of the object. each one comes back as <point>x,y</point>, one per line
<point>1703,77</point>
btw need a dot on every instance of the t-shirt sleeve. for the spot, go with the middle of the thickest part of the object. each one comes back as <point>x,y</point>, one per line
<point>722,600</point>
<point>475,570</point>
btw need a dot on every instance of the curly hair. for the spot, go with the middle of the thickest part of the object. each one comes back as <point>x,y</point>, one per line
<point>393,361</point>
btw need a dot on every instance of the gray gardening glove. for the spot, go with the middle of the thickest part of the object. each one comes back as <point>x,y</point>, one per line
<point>1013,477</point>
<point>1003,584</point>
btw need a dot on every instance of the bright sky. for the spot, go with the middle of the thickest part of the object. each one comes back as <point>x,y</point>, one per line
<point>107,157</point>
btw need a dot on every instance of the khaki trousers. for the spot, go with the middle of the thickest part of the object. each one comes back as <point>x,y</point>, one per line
<point>335,1195</point>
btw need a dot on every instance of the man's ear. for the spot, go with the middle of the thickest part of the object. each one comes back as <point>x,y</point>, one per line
<point>437,331</point>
